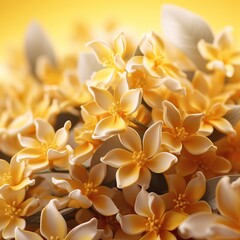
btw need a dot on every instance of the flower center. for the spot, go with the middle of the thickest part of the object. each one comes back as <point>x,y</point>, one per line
<point>89,189</point>
<point>180,202</point>
<point>55,238</point>
<point>153,224</point>
<point>201,165</point>
<point>159,60</point>
<point>137,79</point>
<point>115,109</point>
<point>180,133</point>
<point>5,178</point>
<point>11,210</point>
<point>108,62</point>
<point>139,158</point>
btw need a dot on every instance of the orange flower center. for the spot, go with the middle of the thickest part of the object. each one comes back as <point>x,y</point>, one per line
<point>89,189</point>
<point>108,62</point>
<point>137,79</point>
<point>180,202</point>
<point>116,110</point>
<point>159,60</point>
<point>54,238</point>
<point>201,165</point>
<point>153,224</point>
<point>12,210</point>
<point>180,133</point>
<point>139,158</point>
<point>6,178</point>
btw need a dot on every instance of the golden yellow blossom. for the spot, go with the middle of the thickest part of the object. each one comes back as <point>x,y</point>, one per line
<point>151,218</point>
<point>135,163</point>
<point>49,149</point>
<point>86,190</point>
<point>182,131</point>
<point>116,108</point>
<point>222,53</point>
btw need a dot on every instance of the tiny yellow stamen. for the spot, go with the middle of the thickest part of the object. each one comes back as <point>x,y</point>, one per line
<point>180,202</point>
<point>139,158</point>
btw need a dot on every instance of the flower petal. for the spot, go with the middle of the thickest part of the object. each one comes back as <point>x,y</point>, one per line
<point>200,206</point>
<point>221,165</point>
<point>87,230</point>
<point>172,219</point>
<point>171,143</point>
<point>44,131</point>
<point>52,222</point>
<point>198,144</point>
<point>104,205</point>
<point>141,206</point>
<point>132,223</point>
<point>161,162</point>
<point>144,177</point>
<point>26,235</point>
<point>150,147</point>
<point>109,126</point>
<point>156,205</point>
<point>97,174</point>
<point>127,175</point>
<point>171,115</point>
<point>196,187</point>
<point>223,125</point>
<point>117,158</point>
<point>131,101</point>
<point>150,236</point>
<point>176,183</point>
<point>119,44</point>
<point>192,123</point>
<point>9,230</point>
<point>131,140</point>
<point>80,198</point>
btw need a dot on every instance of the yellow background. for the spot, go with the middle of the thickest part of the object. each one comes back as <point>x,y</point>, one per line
<point>58,16</point>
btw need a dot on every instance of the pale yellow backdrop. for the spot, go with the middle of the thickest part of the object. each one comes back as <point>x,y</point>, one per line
<point>59,16</point>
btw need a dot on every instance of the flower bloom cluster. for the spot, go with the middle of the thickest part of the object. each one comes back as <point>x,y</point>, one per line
<point>123,143</point>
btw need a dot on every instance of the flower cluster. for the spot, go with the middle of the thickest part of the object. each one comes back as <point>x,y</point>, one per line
<point>123,142</point>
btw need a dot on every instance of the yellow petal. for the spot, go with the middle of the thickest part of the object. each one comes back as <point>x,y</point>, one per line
<point>176,184</point>
<point>127,175</point>
<point>166,235</point>
<point>117,158</point>
<point>172,219</point>
<point>144,177</point>
<point>104,205</point>
<point>150,236</point>
<point>186,167</point>
<point>171,115</point>
<point>141,206</point>
<point>108,127</point>
<point>228,199</point>
<point>161,162</point>
<point>192,123</point>
<point>9,231</point>
<point>131,101</point>
<point>97,174</point>
<point>196,187</point>
<point>28,142</point>
<point>102,97</point>
<point>93,109</point>
<point>223,125</point>
<point>119,45</point>
<point>132,223</point>
<point>131,140</point>
<point>221,165</point>
<point>150,147</point>
<point>101,50</point>
<point>52,222</point>
<point>26,235</point>
<point>171,143</point>
<point>224,40</point>
<point>156,205</point>
<point>44,131</point>
<point>197,144</point>
<point>28,153</point>
<point>199,206</point>
<point>80,198</point>
<point>87,230</point>
<point>207,50</point>
<point>29,206</point>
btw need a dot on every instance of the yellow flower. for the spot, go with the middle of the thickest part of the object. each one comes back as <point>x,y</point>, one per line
<point>111,58</point>
<point>85,189</point>
<point>116,109</point>
<point>151,219</point>
<point>209,163</point>
<point>53,226</point>
<point>154,58</point>
<point>215,226</point>
<point>221,54</point>
<point>182,131</point>
<point>135,163</point>
<point>13,209</point>
<point>184,197</point>
<point>13,176</point>
<point>49,149</point>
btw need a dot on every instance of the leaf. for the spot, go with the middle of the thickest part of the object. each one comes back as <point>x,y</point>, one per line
<point>87,65</point>
<point>37,45</point>
<point>185,29</point>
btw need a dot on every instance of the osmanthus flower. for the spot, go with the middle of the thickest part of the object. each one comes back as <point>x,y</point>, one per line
<point>115,108</point>
<point>54,226</point>
<point>111,57</point>
<point>214,109</point>
<point>48,150</point>
<point>141,157</point>
<point>85,189</point>
<point>154,58</point>
<point>13,209</point>
<point>222,53</point>
<point>217,226</point>
<point>185,197</point>
<point>12,175</point>
<point>182,131</point>
<point>151,218</point>
<point>210,163</point>
<point>138,77</point>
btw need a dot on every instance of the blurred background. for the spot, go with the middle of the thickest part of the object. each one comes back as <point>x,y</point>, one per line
<point>68,20</point>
